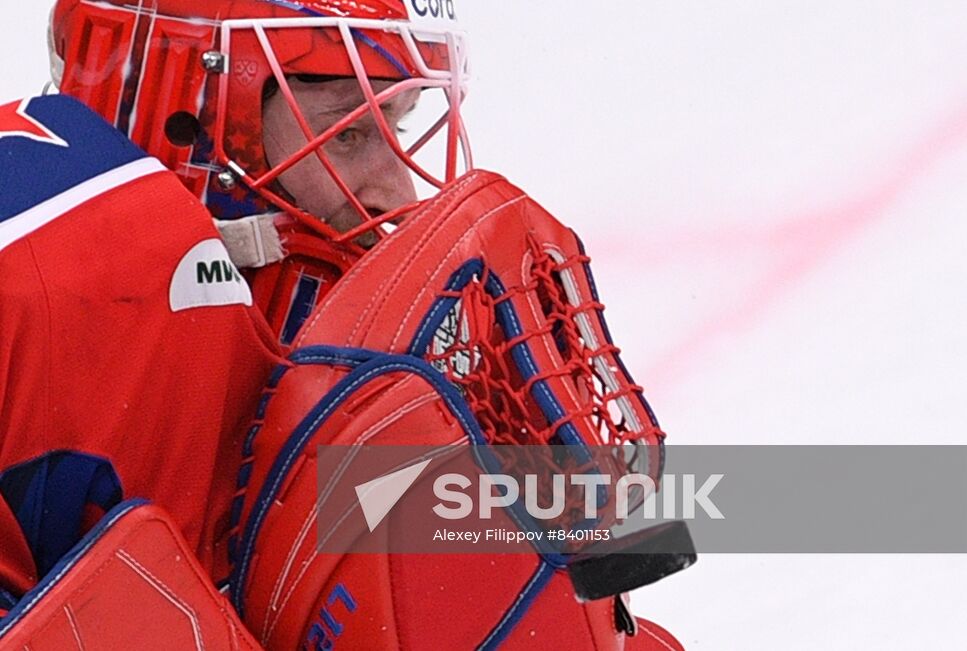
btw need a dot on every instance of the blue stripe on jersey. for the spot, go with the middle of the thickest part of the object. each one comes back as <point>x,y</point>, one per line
<point>32,172</point>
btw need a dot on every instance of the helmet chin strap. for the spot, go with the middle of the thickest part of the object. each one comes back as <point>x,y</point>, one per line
<point>252,242</point>
<point>280,257</point>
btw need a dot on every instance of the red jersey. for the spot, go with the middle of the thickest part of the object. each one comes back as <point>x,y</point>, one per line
<point>131,355</point>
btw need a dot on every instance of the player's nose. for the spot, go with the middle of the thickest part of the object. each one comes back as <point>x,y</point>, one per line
<point>388,181</point>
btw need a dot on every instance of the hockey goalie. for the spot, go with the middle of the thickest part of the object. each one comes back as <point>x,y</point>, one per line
<point>244,229</point>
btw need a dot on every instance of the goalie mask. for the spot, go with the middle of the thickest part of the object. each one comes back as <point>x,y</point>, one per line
<point>196,83</point>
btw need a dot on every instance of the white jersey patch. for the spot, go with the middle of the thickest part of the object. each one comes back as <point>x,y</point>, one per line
<point>207,277</point>
<point>432,13</point>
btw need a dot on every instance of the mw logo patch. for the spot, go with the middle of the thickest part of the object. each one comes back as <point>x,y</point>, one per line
<point>217,271</point>
<point>206,277</point>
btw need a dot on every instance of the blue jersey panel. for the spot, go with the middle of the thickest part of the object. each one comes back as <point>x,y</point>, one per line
<point>33,170</point>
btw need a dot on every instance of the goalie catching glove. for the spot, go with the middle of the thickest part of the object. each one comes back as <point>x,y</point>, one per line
<point>476,323</point>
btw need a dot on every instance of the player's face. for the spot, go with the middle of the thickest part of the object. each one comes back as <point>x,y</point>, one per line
<point>364,160</point>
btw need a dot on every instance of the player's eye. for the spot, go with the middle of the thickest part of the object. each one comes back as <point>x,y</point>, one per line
<point>349,137</point>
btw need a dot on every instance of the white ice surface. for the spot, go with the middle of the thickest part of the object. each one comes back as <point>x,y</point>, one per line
<point>775,198</point>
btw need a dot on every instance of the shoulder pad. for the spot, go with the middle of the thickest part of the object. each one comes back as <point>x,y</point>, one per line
<point>50,145</point>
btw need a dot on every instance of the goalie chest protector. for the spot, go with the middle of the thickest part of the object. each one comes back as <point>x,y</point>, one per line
<point>128,340</point>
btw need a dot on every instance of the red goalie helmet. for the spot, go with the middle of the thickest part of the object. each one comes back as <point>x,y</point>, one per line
<point>186,80</point>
